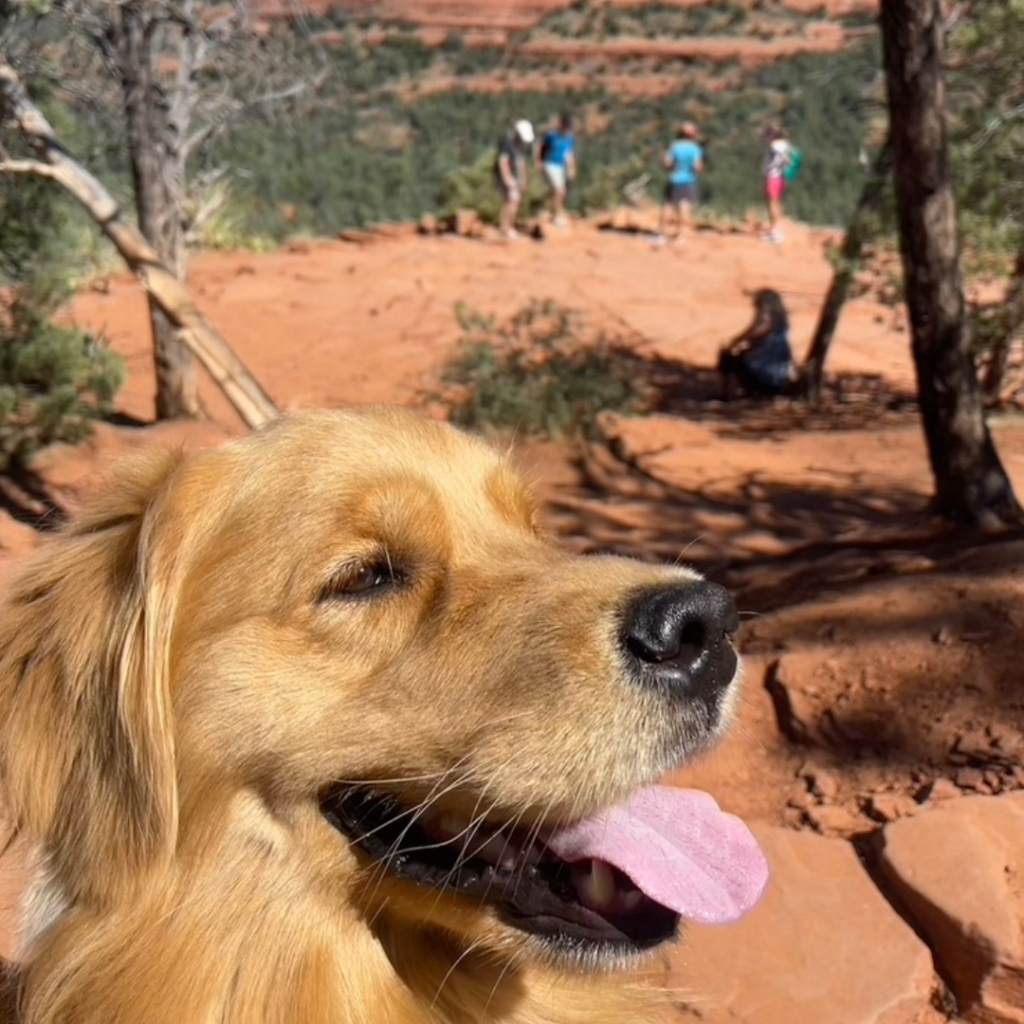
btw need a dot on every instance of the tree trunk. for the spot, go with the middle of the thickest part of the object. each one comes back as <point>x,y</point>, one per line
<point>971,485</point>
<point>158,183</point>
<point>848,261</point>
<point>994,383</point>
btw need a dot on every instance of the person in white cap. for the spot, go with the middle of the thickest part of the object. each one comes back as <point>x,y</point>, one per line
<point>510,173</point>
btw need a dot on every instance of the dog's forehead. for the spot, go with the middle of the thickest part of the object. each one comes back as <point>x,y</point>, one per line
<point>374,456</point>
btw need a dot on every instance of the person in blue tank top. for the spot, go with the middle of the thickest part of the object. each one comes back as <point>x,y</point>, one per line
<point>557,158</point>
<point>684,162</point>
<point>759,361</point>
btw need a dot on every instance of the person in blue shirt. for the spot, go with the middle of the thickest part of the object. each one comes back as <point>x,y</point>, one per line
<point>684,162</point>
<point>759,361</point>
<point>557,158</point>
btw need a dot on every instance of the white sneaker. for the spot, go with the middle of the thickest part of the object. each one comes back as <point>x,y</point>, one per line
<point>659,240</point>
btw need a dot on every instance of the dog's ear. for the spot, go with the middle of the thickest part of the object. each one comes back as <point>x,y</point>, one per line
<point>86,742</point>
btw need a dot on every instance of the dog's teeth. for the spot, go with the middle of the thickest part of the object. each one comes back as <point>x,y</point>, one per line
<point>631,899</point>
<point>450,826</point>
<point>595,884</point>
<point>531,854</point>
<point>498,851</point>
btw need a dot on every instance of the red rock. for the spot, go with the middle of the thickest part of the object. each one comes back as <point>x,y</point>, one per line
<point>822,783</point>
<point>836,820</point>
<point>823,947</point>
<point>939,789</point>
<point>958,867</point>
<point>468,224</point>
<point>890,806</point>
<point>971,778</point>
<point>795,714</point>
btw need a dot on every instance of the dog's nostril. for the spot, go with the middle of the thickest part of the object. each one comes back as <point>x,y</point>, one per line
<point>693,636</point>
<point>679,635</point>
<point>655,646</point>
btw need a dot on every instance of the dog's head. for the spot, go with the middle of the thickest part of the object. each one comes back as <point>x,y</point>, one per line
<point>345,643</point>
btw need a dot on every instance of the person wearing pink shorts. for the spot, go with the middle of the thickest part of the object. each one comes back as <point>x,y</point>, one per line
<point>777,159</point>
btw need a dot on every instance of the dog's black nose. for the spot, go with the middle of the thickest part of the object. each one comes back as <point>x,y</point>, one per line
<point>679,638</point>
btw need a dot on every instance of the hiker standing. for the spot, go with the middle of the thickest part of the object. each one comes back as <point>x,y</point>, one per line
<point>777,162</point>
<point>510,174</point>
<point>558,161</point>
<point>684,162</point>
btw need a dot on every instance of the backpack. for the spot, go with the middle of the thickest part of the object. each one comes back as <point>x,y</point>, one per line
<point>547,147</point>
<point>796,159</point>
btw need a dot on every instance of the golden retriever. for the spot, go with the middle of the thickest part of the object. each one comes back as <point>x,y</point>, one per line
<point>320,728</point>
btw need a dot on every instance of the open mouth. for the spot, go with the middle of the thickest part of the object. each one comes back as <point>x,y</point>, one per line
<point>620,880</point>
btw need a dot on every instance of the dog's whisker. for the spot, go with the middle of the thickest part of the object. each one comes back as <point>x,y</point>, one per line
<point>418,812</point>
<point>451,970</point>
<point>413,810</point>
<point>497,985</point>
<point>446,880</point>
<point>678,561</point>
<point>476,822</point>
<point>381,907</point>
<point>532,836</point>
<point>394,780</point>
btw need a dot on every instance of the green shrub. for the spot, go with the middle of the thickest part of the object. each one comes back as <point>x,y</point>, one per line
<point>473,188</point>
<point>606,188</point>
<point>54,381</point>
<point>542,372</point>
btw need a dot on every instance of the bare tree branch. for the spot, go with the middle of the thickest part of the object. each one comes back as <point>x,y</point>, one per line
<point>53,162</point>
<point>233,108</point>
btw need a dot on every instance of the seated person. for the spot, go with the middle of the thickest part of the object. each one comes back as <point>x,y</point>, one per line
<point>759,362</point>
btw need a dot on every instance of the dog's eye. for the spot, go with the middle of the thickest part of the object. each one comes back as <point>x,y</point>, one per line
<point>364,581</point>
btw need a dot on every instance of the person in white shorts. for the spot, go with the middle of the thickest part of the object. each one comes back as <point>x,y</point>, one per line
<point>557,156</point>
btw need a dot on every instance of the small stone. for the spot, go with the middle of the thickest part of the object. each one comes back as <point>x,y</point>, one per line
<point>971,778</point>
<point>1007,740</point>
<point>887,807</point>
<point>976,745</point>
<point>794,713</point>
<point>836,820</point>
<point>938,789</point>
<point>799,796</point>
<point>467,223</point>
<point>822,783</point>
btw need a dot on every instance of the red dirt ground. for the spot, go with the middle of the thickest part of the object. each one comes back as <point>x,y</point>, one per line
<point>893,649</point>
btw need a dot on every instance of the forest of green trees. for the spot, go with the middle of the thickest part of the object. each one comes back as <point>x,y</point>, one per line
<point>365,145</point>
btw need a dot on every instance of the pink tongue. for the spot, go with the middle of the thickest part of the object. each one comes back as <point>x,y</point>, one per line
<point>679,848</point>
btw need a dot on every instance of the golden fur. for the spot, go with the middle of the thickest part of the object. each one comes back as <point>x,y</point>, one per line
<point>176,691</point>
